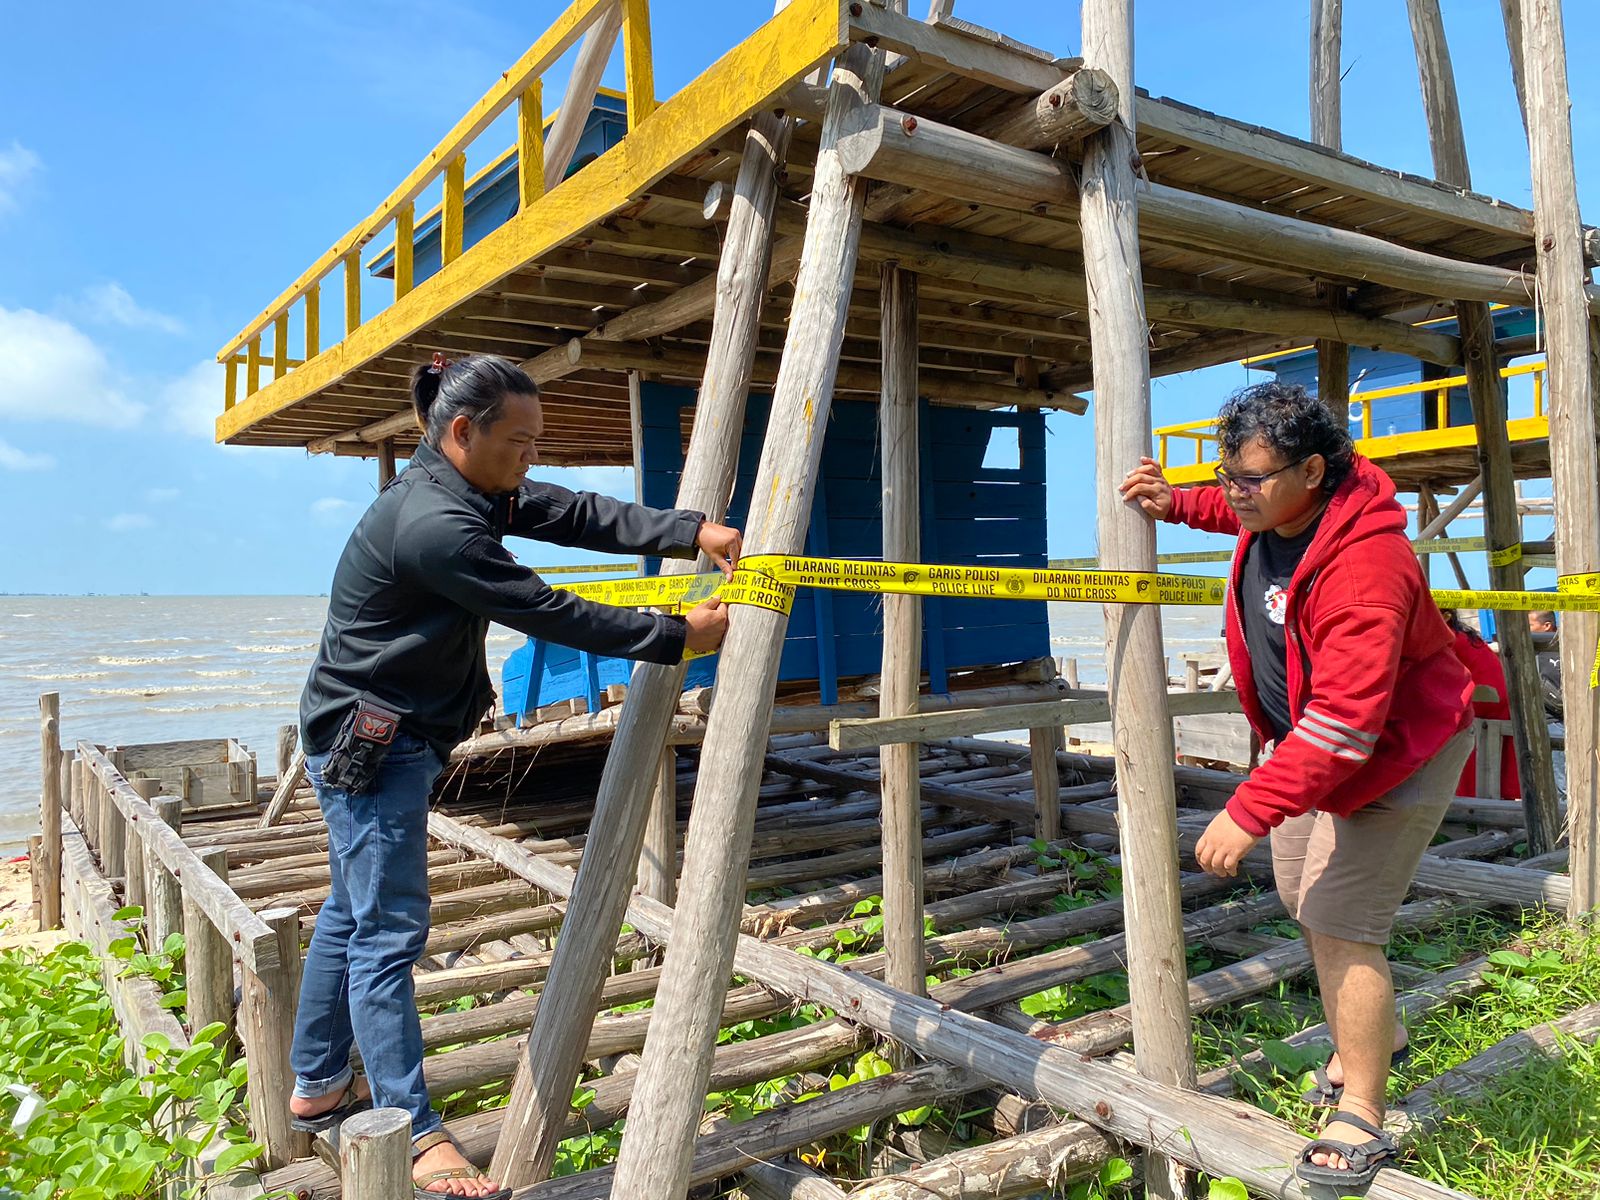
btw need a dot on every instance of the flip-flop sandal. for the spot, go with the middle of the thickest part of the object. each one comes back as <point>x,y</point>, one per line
<point>350,1106</point>
<point>420,1185</point>
<point>1327,1094</point>
<point>1365,1160</point>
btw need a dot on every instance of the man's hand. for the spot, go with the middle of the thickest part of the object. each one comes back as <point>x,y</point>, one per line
<point>1147,487</point>
<point>708,624</point>
<point>1223,845</point>
<point>721,544</point>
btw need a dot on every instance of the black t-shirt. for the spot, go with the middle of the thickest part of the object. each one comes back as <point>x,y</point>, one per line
<point>1269,564</point>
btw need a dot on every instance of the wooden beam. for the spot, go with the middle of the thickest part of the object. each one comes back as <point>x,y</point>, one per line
<point>902,633</point>
<point>542,1091</point>
<point>1264,149</point>
<point>1326,37</point>
<point>578,100</point>
<point>1572,419</point>
<point>864,733</point>
<point>1109,220</point>
<point>941,157</point>
<point>658,1146</point>
<point>1062,116</point>
<point>1502,525</point>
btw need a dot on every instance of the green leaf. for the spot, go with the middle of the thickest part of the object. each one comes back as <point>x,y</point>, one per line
<point>1509,958</point>
<point>1114,1172</point>
<point>131,912</point>
<point>1227,1188</point>
<point>237,1156</point>
<point>177,999</point>
<point>173,945</point>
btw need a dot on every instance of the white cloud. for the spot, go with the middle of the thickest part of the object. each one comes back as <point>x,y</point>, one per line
<point>128,521</point>
<point>111,304</point>
<point>331,510</point>
<point>192,402</point>
<point>54,371</point>
<point>17,165</point>
<point>161,495</point>
<point>12,459</point>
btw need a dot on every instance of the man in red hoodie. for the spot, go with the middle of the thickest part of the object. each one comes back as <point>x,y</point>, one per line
<point>1346,670</point>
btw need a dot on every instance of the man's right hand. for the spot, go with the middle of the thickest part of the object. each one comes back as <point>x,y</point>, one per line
<point>1147,487</point>
<point>708,625</point>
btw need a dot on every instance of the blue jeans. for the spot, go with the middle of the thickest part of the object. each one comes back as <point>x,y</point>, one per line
<point>357,982</point>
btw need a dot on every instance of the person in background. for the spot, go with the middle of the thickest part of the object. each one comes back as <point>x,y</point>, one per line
<point>401,677</point>
<point>1486,669</point>
<point>1547,653</point>
<point>1345,667</point>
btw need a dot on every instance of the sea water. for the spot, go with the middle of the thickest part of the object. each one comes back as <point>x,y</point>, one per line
<point>133,669</point>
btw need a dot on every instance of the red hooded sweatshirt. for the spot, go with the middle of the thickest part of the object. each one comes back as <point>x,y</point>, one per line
<point>1375,687</point>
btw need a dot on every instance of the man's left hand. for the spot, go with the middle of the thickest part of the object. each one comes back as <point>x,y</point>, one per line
<point>1223,846</point>
<point>722,544</point>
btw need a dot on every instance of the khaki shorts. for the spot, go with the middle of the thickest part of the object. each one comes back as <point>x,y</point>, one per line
<point>1345,877</point>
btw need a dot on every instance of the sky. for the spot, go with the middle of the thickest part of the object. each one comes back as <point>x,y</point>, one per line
<point>166,170</point>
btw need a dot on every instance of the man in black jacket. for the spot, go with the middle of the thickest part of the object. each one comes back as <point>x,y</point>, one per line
<point>401,676</point>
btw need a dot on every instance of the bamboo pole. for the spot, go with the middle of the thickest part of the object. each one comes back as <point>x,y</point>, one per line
<point>542,1091</point>
<point>659,1144</point>
<point>1142,729</point>
<point>658,863</point>
<point>1502,528</point>
<point>208,959</point>
<point>1562,280</point>
<point>47,871</point>
<point>902,635</point>
<point>266,1028</point>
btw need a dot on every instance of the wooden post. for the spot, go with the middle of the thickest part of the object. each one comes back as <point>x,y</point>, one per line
<point>163,890</point>
<point>1043,745</point>
<point>136,875</point>
<point>902,636</point>
<point>289,782</point>
<point>1141,724</point>
<point>1501,525</point>
<point>541,1095</point>
<point>1511,14</point>
<point>530,145</point>
<point>1333,357</point>
<point>266,1028</point>
<point>658,863</point>
<point>288,739</point>
<point>375,1155</point>
<point>578,100</point>
<point>1427,518</point>
<point>1562,280</point>
<point>658,1146</point>
<point>385,461</point>
<point>77,793</point>
<point>47,871</point>
<point>207,957</point>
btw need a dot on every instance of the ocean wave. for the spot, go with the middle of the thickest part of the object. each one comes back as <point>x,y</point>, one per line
<point>220,674</point>
<point>24,616</point>
<point>284,632</point>
<point>148,660</point>
<point>164,689</point>
<point>234,706</point>
<point>154,641</point>
<point>278,648</point>
<point>62,675</point>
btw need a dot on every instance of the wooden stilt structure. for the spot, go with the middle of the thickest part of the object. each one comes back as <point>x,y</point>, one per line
<point>657,1150</point>
<point>1136,664</point>
<point>1564,299</point>
<point>543,1089</point>
<point>1502,526</point>
<point>902,634</point>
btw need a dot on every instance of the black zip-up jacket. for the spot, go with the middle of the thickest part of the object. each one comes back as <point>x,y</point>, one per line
<point>424,573</point>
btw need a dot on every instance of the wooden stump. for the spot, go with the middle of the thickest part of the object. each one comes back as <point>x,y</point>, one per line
<point>375,1155</point>
<point>267,1028</point>
<point>208,958</point>
<point>48,868</point>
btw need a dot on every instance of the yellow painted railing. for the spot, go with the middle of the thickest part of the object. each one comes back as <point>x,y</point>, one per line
<point>1202,435</point>
<point>520,86</point>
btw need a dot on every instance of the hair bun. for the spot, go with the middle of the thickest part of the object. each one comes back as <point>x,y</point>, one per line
<point>425,383</point>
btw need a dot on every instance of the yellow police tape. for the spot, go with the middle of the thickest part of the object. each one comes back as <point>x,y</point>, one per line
<point>769,581</point>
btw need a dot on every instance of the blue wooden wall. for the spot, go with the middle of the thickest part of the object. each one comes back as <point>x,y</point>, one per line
<point>973,513</point>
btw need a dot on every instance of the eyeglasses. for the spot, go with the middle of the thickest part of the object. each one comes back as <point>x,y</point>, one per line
<point>1250,485</point>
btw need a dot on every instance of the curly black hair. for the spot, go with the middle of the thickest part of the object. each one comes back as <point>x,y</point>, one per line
<point>1291,421</point>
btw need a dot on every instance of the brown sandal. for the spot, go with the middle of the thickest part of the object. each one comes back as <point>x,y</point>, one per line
<point>420,1186</point>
